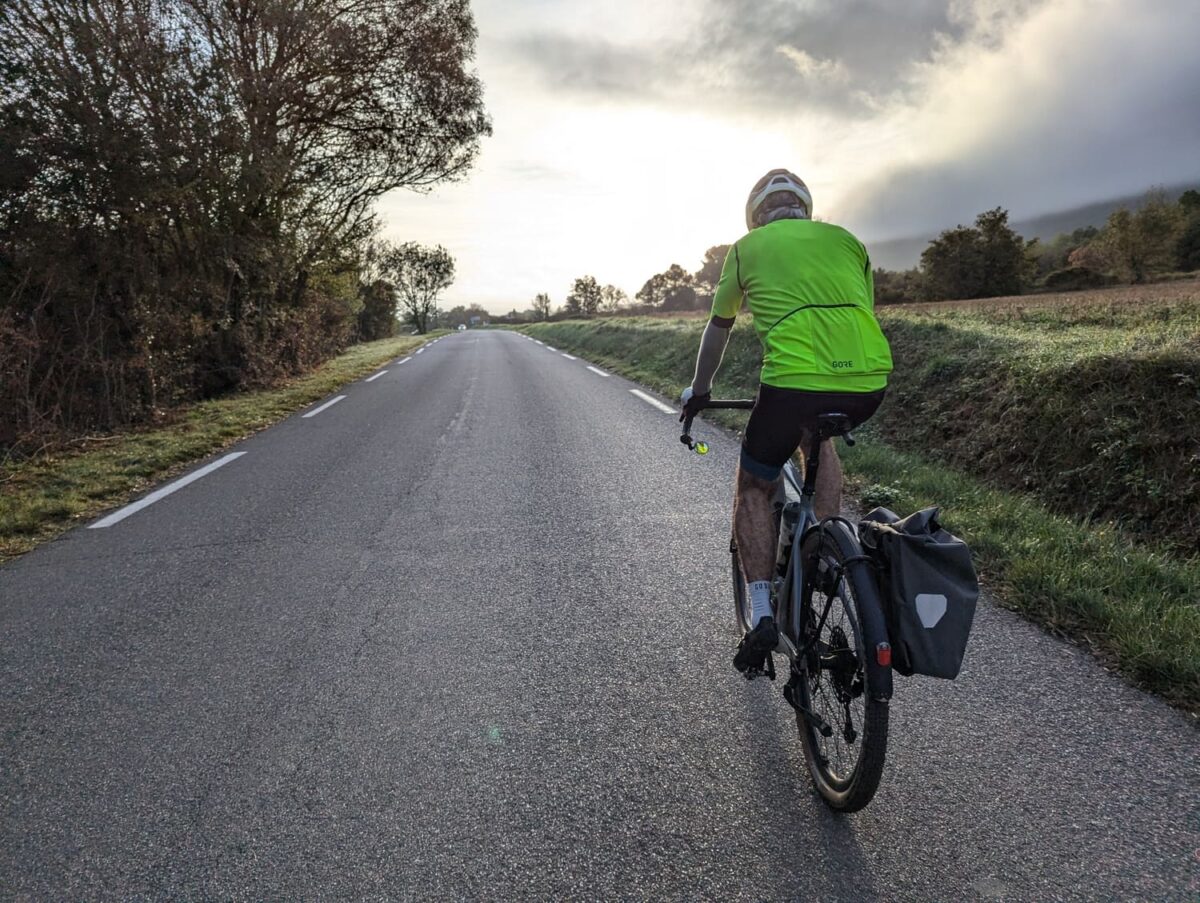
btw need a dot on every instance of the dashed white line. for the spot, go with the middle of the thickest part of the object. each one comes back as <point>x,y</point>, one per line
<point>569,357</point>
<point>551,348</point>
<point>597,370</point>
<point>405,361</point>
<point>372,379</point>
<point>164,492</point>
<point>329,404</point>
<point>539,341</point>
<point>649,399</point>
<point>419,350</point>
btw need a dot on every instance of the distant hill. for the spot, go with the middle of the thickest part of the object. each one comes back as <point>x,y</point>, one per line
<point>904,253</point>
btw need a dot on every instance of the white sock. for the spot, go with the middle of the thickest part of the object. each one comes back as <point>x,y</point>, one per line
<point>760,601</point>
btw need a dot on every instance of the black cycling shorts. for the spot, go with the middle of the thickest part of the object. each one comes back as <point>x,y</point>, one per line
<point>781,417</point>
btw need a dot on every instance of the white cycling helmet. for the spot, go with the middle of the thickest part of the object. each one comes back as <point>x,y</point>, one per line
<point>778,188</point>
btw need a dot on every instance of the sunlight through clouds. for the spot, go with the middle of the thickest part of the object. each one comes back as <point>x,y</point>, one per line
<point>626,134</point>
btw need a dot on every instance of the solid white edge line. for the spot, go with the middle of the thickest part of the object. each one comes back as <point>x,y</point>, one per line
<point>372,379</point>
<point>315,411</point>
<point>597,370</point>
<point>157,494</point>
<point>665,408</point>
<point>405,361</point>
<point>569,357</point>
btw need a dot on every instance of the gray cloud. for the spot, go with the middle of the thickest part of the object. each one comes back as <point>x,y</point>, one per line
<point>1111,100</point>
<point>1111,117</point>
<point>594,66</point>
<point>755,53</point>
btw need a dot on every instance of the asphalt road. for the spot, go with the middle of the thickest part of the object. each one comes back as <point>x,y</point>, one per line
<point>466,634</point>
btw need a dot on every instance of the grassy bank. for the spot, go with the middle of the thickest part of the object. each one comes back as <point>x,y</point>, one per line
<point>1090,402</point>
<point>1133,604</point>
<point>45,495</point>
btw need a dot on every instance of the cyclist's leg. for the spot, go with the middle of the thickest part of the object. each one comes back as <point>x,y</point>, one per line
<point>827,498</point>
<point>754,525</point>
<point>764,452</point>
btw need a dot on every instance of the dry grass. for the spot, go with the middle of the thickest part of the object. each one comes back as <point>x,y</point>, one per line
<point>47,494</point>
<point>1158,293</point>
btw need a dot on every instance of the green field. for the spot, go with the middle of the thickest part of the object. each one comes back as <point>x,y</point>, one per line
<point>1035,423</point>
<point>44,495</point>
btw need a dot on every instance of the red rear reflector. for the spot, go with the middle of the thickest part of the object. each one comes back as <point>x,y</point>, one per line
<point>883,655</point>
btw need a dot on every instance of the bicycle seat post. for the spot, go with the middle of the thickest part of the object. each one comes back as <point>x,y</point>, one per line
<point>828,426</point>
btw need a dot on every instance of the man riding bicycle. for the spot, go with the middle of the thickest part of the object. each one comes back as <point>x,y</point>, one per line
<point>810,290</point>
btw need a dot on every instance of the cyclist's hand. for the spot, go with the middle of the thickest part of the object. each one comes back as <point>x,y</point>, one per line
<point>691,403</point>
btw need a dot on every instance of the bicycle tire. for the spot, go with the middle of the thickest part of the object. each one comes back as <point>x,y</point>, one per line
<point>741,598</point>
<point>851,791</point>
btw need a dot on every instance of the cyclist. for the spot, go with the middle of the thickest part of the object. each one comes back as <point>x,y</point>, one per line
<point>810,290</point>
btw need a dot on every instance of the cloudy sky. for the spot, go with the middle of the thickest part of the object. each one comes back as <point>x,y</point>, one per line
<point>627,133</point>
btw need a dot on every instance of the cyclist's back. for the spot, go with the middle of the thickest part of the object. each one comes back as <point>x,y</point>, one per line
<point>809,287</point>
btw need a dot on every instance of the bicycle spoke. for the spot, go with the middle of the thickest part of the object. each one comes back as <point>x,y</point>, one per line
<point>837,682</point>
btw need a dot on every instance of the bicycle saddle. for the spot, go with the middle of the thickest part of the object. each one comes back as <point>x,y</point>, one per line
<point>833,424</point>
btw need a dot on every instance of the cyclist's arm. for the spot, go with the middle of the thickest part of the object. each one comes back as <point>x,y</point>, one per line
<point>726,302</point>
<point>708,360</point>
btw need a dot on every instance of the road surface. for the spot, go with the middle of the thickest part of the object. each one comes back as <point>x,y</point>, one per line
<point>465,633</point>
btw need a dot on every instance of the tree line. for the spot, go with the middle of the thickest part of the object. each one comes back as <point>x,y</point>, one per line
<point>985,260</point>
<point>187,192</point>
<point>990,259</point>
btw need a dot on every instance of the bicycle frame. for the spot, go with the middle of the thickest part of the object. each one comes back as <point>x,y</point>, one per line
<point>799,515</point>
<point>790,590</point>
<point>788,612</point>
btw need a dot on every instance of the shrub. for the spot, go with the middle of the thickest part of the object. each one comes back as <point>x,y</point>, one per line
<point>1073,279</point>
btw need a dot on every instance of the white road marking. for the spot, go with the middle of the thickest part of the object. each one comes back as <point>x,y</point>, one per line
<point>569,357</point>
<point>419,350</point>
<point>164,492</point>
<point>372,379</point>
<point>649,399</point>
<point>405,361</point>
<point>597,370</point>
<point>551,348</point>
<point>328,404</point>
<point>539,341</point>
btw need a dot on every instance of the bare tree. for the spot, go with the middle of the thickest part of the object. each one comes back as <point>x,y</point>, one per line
<point>419,274</point>
<point>612,298</point>
<point>585,296</point>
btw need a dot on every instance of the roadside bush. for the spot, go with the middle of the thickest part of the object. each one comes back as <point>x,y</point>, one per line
<point>1073,279</point>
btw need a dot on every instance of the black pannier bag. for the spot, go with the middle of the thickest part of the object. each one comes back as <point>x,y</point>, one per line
<point>928,586</point>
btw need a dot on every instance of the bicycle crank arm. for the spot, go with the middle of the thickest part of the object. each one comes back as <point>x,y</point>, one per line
<point>819,723</point>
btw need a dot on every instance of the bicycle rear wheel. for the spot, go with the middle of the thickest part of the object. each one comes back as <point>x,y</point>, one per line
<point>741,597</point>
<point>833,679</point>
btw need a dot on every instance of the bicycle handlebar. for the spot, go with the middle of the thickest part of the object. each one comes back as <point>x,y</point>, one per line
<point>743,404</point>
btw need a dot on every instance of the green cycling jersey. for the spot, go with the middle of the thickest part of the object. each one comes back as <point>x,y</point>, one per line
<point>810,289</point>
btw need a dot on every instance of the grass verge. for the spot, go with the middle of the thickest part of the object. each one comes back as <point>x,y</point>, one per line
<point>1089,402</point>
<point>1134,606</point>
<point>46,495</point>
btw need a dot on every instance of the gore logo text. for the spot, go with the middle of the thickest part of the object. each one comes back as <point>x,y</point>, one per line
<point>842,365</point>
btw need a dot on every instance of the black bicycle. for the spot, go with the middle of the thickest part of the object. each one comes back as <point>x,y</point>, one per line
<point>831,630</point>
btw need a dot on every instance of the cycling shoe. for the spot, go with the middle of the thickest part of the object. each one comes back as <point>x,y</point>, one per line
<point>753,653</point>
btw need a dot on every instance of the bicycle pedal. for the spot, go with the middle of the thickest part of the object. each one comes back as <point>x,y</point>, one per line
<point>768,671</point>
